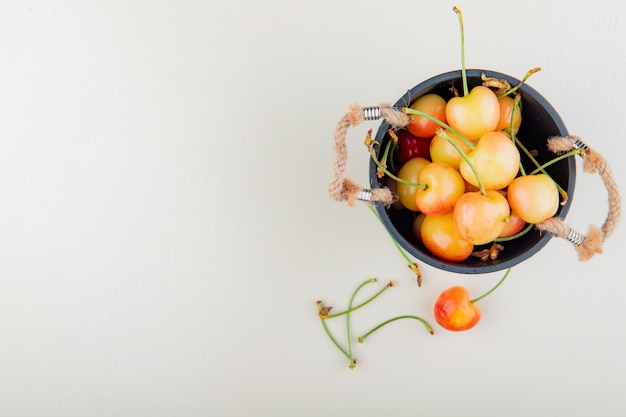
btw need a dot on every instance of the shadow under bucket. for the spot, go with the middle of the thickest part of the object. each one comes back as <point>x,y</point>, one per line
<point>540,121</point>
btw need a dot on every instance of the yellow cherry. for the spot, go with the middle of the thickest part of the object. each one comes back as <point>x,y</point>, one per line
<point>475,114</point>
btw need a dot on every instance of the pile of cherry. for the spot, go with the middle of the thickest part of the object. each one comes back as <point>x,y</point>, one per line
<point>459,170</point>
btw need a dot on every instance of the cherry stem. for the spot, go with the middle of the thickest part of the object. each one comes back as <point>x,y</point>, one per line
<point>513,237</point>
<point>475,300</point>
<point>320,306</point>
<point>409,110</point>
<point>557,159</point>
<point>412,265</point>
<point>348,330</point>
<point>512,127</point>
<point>394,143</point>
<point>392,176</point>
<point>335,342</point>
<point>442,133</point>
<point>350,309</point>
<point>517,87</point>
<point>543,171</point>
<point>424,322</point>
<point>463,71</point>
<point>386,152</point>
<point>404,255</point>
<point>364,303</point>
<point>382,165</point>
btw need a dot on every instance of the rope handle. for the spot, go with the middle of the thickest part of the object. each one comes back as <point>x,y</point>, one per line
<point>342,188</point>
<point>586,245</point>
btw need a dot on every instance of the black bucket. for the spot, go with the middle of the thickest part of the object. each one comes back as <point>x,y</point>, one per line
<point>540,121</point>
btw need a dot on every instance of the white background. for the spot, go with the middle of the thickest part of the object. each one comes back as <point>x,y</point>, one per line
<point>166,228</point>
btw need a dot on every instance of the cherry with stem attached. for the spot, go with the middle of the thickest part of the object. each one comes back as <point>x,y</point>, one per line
<point>382,163</point>
<point>454,309</point>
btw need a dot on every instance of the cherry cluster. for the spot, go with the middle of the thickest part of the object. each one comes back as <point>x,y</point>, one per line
<point>458,166</point>
<point>460,171</point>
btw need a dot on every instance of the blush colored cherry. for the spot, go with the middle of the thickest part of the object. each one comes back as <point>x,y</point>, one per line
<point>475,114</point>
<point>496,161</point>
<point>433,105</point>
<point>480,218</point>
<point>411,146</point>
<point>410,172</point>
<point>417,225</point>
<point>456,311</point>
<point>439,235</point>
<point>507,104</point>
<point>533,197</point>
<point>444,186</point>
<point>513,226</point>
<point>441,150</point>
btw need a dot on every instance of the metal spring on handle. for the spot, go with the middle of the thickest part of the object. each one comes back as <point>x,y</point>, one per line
<point>581,145</point>
<point>575,237</point>
<point>371,113</point>
<point>365,195</point>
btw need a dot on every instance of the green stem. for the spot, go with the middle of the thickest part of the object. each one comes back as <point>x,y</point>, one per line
<point>555,160</point>
<point>543,171</point>
<point>386,152</point>
<point>520,234</point>
<point>364,303</point>
<point>525,150</point>
<point>393,149</point>
<point>384,169</point>
<point>424,322</point>
<point>412,265</point>
<point>475,300</point>
<point>463,71</point>
<point>512,128</point>
<point>410,110</point>
<point>332,338</point>
<point>526,77</point>
<point>348,330</point>
<point>442,133</point>
<point>404,255</point>
<point>510,91</point>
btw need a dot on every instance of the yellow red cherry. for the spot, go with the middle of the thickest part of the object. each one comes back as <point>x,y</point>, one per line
<point>480,218</point>
<point>444,186</point>
<point>410,172</point>
<point>433,105</point>
<point>441,150</point>
<point>417,225</point>
<point>534,198</point>
<point>441,238</point>
<point>513,225</point>
<point>475,114</point>
<point>496,161</point>
<point>455,311</point>
<point>507,104</point>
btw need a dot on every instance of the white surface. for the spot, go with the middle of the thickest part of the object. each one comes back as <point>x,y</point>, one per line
<point>166,229</point>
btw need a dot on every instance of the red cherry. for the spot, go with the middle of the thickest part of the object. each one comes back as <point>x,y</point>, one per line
<point>410,146</point>
<point>455,311</point>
